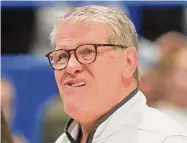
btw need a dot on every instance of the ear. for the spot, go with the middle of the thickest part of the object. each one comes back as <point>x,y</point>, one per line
<point>130,62</point>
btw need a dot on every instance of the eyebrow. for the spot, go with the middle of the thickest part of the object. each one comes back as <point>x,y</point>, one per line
<point>61,48</point>
<point>64,46</point>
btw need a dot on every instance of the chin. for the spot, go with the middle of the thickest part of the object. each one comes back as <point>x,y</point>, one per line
<point>81,116</point>
<point>71,109</point>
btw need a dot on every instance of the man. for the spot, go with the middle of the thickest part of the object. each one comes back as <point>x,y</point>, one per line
<point>5,131</point>
<point>172,77</point>
<point>7,97</point>
<point>95,62</point>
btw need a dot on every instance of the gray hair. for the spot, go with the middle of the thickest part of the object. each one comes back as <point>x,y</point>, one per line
<point>122,30</point>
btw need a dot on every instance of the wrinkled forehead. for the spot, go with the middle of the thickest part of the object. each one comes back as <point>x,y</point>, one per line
<point>81,32</point>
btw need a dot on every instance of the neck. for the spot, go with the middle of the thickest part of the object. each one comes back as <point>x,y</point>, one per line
<point>127,88</point>
<point>86,128</point>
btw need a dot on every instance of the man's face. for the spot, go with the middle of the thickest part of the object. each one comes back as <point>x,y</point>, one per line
<point>103,78</point>
<point>177,80</point>
<point>7,100</point>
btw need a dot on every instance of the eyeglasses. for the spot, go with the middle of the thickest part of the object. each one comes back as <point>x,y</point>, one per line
<point>85,54</point>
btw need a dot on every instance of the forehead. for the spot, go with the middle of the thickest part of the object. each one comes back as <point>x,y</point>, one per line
<point>74,34</point>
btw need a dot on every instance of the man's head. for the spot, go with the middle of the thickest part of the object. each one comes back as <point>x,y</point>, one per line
<point>172,71</point>
<point>121,29</point>
<point>7,99</point>
<point>92,78</point>
<point>169,41</point>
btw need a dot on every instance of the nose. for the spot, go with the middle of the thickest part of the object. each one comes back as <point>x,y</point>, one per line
<point>73,66</point>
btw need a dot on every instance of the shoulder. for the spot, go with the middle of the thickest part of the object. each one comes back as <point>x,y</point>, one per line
<point>153,119</point>
<point>62,139</point>
<point>175,139</point>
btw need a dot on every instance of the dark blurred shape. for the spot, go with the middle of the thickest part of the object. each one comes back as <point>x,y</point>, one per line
<point>157,20</point>
<point>17,29</point>
<point>53,120</point>
<point>6,136</point>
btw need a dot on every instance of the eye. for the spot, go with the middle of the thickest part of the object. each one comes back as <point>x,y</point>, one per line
<point>63,56</point>
<point>88,51</point>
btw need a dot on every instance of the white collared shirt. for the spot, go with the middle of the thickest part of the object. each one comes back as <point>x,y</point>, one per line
<point>131,122</point>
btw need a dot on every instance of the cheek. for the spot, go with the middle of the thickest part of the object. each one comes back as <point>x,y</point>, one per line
<point>106,75</point>
<point>175,84</point>
<point>58,77</point>
<point>180,81</point>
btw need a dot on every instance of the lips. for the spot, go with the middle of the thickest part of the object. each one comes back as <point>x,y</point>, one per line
<point>74,83</point>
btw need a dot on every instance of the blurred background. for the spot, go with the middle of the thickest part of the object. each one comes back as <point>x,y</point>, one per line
<point>29,95</point>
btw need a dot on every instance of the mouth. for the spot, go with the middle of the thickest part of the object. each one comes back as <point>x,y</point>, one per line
<point>75,83</point>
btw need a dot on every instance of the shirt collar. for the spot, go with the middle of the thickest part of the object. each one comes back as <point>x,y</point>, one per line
<point>72,128</point>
